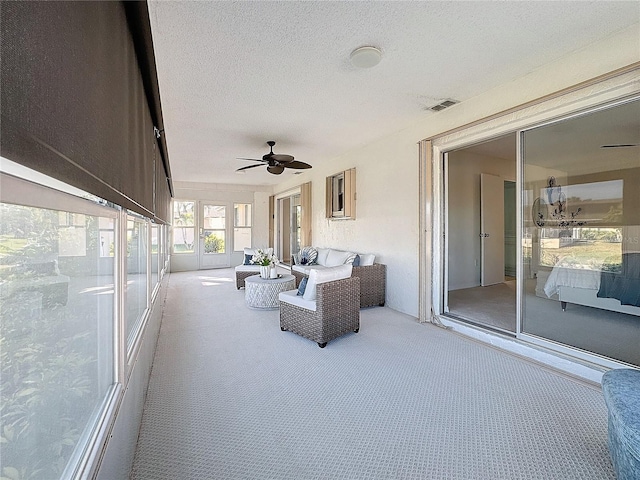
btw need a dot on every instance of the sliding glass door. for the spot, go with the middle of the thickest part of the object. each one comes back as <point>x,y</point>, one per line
<point>581,232</point>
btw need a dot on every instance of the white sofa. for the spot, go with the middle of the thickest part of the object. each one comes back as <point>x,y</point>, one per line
<point>372,275</point>
<point>246,269</point>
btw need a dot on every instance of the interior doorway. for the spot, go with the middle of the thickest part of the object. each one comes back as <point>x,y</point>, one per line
<point>480,233</point>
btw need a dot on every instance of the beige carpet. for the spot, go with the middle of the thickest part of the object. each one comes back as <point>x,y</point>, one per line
<point>494,306</point>
<point>233,397</point>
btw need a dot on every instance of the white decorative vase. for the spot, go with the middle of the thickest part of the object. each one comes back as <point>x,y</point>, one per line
<point>274,272</point>
<point>265,271</point>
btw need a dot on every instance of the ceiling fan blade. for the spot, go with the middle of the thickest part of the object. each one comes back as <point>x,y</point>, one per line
<point>276,170</point>
<point>297,165</point>
<point>282,158</point>
<point>251,159</point>
<point>621,145</point>
<point>250,166</point>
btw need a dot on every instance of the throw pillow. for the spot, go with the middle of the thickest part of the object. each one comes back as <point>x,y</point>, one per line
<point>367,259</point>
<point>247,259</point>
<point>356,261</point>
<point>302,286</point>
<point>308,255</point>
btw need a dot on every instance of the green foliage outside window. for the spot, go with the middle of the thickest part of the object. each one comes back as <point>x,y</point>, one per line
<point>213,244</point>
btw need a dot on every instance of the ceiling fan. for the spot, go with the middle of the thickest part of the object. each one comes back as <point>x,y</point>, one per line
<point>276,162</point>
<point>621,145</point>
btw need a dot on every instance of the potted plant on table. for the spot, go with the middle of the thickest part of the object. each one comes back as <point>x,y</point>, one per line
<point>266,261</point>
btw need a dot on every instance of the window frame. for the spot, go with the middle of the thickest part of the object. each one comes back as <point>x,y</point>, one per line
<point>243,227</point>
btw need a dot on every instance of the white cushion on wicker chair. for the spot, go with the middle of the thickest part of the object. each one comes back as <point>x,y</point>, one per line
<point>292,297</point>
<point>325,275</point>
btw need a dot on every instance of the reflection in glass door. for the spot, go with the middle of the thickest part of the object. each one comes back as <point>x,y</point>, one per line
<point>213,247</point>
<point>581,232</point>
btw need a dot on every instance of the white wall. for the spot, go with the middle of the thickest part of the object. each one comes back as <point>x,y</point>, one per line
<point>387,170</point>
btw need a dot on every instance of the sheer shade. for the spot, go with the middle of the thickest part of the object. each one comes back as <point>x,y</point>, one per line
<point>74,105</point>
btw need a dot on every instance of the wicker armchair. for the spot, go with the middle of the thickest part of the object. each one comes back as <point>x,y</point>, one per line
<point>372,283</point>
<point>337,312</point>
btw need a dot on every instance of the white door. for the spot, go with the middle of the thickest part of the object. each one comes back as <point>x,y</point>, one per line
<point>491,229</point>
<point>214,241</point>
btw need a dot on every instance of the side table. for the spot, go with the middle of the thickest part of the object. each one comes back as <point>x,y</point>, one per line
<point>263,292</point>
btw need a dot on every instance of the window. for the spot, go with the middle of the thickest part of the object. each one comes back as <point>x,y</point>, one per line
<point>155,255</point>
<point>183,227</point>
<point>214,223</point>
<point>136,286</point>
<point>57,311</point>
<point>341,195</point>
<point>337,195</point>
<point>241,226</point>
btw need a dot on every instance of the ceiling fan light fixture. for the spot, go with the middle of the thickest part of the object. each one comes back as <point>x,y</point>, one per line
<point>366,57</point>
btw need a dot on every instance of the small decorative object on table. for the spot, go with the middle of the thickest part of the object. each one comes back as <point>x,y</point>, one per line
<point>266,262</point>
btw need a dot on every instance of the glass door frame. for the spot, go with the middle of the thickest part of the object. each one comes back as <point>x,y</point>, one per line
<point>213,260</point>
<point>279,217</point>
<point>600,94</point>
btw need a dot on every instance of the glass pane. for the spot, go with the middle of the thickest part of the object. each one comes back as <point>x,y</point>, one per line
<point>242,215</point>
<point>183,239</point>
<point>56,329</point>
<point>155,254</point>
<point>214,217</point>
<point>582,232</point>
<point>136,289</point>
<point>241,238</point>
<point>183,214</point>
<point>214,241</point>
<point>107,243</point>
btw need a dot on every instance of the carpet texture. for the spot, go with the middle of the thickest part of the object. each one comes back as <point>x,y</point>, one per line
<point>233,397</point>
<point>494,305</point>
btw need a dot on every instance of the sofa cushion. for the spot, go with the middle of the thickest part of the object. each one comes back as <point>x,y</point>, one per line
<point>292,297</point>
<point>367,259</point>
<point>305,269</point>
<point>317,276</point>
<point>322,256</point>
<point>338,257</point>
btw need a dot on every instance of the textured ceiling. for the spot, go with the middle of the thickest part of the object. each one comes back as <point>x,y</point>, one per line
<point>233,75</point>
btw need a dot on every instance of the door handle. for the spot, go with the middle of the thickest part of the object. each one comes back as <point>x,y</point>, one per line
<point>484,235</point>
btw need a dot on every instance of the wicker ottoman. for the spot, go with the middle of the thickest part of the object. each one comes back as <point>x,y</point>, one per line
<point>263,292</point>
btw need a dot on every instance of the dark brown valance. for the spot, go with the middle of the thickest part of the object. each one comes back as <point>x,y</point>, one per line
<point>75,105</point>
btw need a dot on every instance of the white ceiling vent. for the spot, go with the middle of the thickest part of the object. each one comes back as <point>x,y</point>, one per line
<point>443,105</point>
